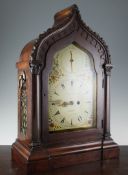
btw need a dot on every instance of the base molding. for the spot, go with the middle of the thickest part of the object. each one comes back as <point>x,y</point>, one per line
<point>44,159</point>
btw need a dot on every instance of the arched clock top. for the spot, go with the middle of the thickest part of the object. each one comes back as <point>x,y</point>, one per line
<point>68,23</point>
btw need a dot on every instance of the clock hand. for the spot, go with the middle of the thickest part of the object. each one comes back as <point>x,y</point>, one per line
<point>61,103</point>
<point>64,104</point>
<point>71,60</point>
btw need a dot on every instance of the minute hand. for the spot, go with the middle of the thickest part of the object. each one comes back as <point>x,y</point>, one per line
<point>71,61</point>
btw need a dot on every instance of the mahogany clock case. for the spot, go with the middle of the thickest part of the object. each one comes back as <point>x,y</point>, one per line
<point>36,148</point>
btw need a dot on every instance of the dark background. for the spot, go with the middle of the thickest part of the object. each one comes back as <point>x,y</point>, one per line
<point>23,20</point>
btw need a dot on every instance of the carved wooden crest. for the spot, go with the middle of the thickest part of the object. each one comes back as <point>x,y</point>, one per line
<point>67,22</point>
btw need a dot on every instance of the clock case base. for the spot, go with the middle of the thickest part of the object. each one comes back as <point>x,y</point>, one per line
<point>47,158</point>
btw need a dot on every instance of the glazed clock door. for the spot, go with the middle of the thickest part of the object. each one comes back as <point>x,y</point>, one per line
<point>72,90</point>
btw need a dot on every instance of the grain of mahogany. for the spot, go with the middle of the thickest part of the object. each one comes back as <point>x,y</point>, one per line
<point>106,167</point>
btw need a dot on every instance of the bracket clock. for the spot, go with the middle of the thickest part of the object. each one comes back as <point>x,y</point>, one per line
<point>64,97</point>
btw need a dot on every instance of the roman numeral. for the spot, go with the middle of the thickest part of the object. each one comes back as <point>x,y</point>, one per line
<point>56,93</point>
<point>71,83</point>
<point>57,113</point>
<point>63,86</point>
<point>79,118</point>
<point>62,121</point>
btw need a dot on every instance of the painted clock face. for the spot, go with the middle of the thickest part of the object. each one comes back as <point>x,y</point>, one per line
<point>72,90</point>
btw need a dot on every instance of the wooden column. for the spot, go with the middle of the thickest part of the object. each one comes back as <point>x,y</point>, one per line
<point>108,68</point>
<point>35,68</point>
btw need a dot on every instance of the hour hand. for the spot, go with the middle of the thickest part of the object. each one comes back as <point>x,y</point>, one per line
<point>64,104</point>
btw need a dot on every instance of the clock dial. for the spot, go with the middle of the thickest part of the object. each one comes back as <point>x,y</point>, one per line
<point>72,90</point>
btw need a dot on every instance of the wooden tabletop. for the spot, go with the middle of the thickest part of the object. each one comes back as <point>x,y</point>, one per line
<point>108,167</point>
